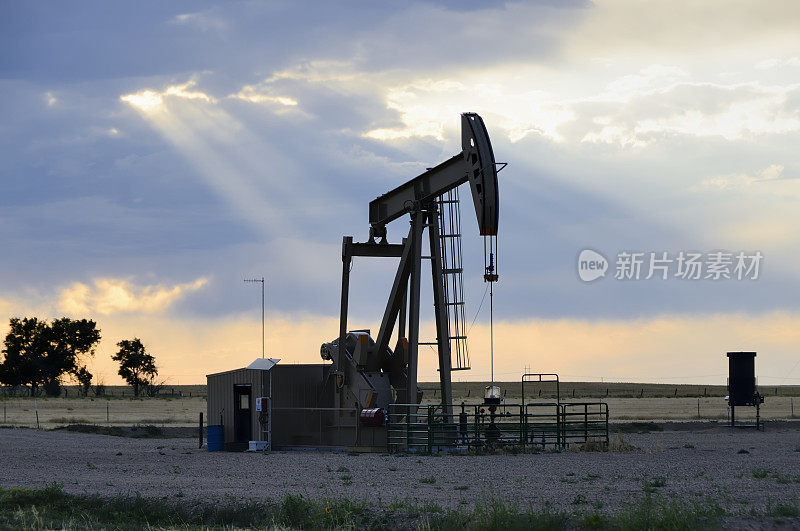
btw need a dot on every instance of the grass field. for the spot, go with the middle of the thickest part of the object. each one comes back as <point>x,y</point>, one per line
<point>52,508</point>
<point>627,401</point>
<point>582,390</point>
<point>54,412</point>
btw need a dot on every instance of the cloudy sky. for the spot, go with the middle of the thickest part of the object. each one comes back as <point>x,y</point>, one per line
<point>155,154</point>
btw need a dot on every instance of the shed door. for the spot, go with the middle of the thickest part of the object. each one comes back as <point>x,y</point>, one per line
<point>242,420</point>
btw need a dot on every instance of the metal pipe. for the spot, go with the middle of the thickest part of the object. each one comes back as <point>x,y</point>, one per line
<point>345,294</point>
<point>417,222</point>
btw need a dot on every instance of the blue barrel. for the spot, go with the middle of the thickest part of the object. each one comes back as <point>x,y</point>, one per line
<point>215,437</point>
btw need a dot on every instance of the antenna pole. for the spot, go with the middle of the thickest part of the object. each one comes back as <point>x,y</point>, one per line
<point>263,289</point>
<point>263,334</point>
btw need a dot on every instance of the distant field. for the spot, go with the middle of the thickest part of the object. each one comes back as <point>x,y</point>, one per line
<point>512,390</point>
<point>54,412</point>
<point>181,405</point>
<point>124,391</point>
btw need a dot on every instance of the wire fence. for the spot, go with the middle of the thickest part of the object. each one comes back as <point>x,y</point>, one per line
<point>598,390</point>
<point>182,411</point>
<point>54,412</point>
<point>111,391</point>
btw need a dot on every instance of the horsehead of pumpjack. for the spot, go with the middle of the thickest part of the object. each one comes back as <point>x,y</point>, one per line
<point>482,171</point>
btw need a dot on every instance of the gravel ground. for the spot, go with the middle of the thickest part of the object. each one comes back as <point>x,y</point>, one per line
<point>693,462</point>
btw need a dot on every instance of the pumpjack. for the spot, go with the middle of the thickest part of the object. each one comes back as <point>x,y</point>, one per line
<point>370,375</point>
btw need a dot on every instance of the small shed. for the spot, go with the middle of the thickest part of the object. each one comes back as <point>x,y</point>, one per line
<point>279,405</point>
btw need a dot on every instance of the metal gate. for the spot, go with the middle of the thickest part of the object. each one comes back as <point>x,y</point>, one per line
<point>428,428</point>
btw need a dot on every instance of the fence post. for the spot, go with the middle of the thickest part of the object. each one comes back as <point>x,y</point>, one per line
<point>408,428</point>
<point>476,435</point>
<point>586,423</point>
<point>108,418</point>
<point>430,429</point>
<point>698,408</point>
<point>792,401</point>
<point>200,431</point>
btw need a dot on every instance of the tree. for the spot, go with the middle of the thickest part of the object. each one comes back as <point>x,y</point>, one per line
<point>23,353</point>
<point>69,339</point>
<point>136,366</point>
<point>39,354</point>
<point>84,378</point>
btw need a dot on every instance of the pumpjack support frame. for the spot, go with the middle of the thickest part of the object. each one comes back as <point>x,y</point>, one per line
<point>418,198</point>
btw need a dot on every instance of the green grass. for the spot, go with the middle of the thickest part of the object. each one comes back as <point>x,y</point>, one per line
<point>51,507</point>
<point>781,479</point>
<point>654,484</point>
<point>761,473</point>
<point>785,510</point>
<point>659,513</point>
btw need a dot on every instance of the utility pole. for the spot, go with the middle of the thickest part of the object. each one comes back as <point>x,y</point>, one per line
<point>262,308</point>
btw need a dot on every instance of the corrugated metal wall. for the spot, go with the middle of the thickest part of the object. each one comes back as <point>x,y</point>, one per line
<point>305,386</point>
<point>220,398</point>
<point>294,386</point>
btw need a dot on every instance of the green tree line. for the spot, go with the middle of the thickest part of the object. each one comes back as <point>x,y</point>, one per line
<point>40,356</point>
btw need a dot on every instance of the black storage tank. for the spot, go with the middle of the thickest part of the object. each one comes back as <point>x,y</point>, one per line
<point>742,378</point>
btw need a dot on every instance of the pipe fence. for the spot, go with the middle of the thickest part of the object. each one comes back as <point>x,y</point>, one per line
<point>434,428</point>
